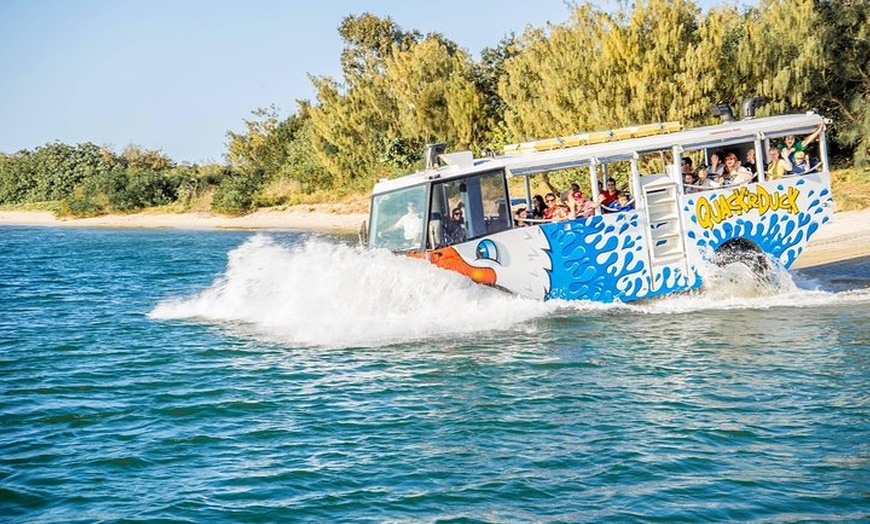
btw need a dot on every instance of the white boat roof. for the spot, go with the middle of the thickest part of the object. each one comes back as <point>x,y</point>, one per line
<point>529,163</point>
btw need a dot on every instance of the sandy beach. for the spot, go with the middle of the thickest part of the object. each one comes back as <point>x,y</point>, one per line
<point>296,219</point>
<point>846,237</point>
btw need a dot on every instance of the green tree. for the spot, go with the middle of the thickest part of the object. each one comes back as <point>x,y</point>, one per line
<point>369,42</point>
<point>781,56</point>
<point>58,168</point>
<point>263,148</point>
<point>136,157</point>
<point>355,122</point>
<point>844,87</point>
<point>707,75</point>
<point>236,193</point>
<point>352,128</point>
<point>599,71</point>
<point>301,165</point>
<point>16,177</point>
<point>432,84</point>
<point>488,73</point>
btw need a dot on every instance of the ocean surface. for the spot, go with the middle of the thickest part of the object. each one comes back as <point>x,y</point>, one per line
<point>192,376</point>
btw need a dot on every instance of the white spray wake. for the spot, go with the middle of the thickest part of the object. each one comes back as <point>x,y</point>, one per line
<point>320,293</point>
<point>736,286</point>
<point>325,294</point>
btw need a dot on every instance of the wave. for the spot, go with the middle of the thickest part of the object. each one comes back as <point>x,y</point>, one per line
<point>322,293</point>
<point>328,294</point>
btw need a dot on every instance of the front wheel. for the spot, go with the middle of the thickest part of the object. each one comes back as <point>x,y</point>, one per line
<point>741,251</point>
<point>746,270</point>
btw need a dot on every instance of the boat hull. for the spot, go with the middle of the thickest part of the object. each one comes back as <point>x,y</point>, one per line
<point>612,257</point>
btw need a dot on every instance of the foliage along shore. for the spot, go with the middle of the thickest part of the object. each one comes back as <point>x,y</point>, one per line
<point>658,60</point>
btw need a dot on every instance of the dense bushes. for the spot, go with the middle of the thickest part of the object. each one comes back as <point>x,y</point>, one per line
<point>88,180</point>
<point>121,191</point>
<point>236,193</point>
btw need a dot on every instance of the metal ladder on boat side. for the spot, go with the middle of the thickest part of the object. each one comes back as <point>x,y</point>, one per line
<point>666,242</point>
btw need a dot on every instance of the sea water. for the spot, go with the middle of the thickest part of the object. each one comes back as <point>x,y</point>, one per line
<point>189,376</point>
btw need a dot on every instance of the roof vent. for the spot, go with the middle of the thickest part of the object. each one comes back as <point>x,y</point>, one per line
<point>460,159</point>
<point>747,111</point>
<point>432,152</point>
<point>723,111</point>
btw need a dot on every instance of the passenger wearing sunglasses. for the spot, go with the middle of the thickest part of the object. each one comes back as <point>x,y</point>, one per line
<point>555,211</point>
<point>454,230</point>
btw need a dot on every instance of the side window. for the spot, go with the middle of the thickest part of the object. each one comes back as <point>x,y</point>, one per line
<point>467,208</point>
<point>496,206</point>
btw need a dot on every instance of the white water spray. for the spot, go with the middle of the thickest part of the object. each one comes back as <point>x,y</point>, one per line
<point>326,294</point>
<point>319,293</point>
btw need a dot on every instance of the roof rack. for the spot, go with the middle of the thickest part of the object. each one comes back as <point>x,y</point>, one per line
<point>595,137</point>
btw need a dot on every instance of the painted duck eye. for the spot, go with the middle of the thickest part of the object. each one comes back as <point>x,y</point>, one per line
<point>486,249</point>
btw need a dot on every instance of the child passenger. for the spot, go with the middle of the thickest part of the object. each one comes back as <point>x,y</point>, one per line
<point>704,181</point>
<point>803,164</point>
<point>622,203</point>
<point>689,182</point>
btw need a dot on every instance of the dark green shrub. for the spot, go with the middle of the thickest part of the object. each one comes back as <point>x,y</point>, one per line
<point>235,194</point>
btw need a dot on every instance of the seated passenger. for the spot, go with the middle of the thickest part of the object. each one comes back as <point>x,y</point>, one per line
<point>777,167</point>
<point>686,165</point>
<point>749,161</point>
<point>583,208</point>
<point>734,174</point>
<point>555,212</point>
<point>689,182</point>
<point>803,164</point>
<point>454,229</point>
<point>622,202</point>
<point>716,166</point>
<point>790,146</point>
<point>609,193</point>
<point>575,191</point>
<point>520,216</point>
<point>704,183</point>
<point>538,207</point>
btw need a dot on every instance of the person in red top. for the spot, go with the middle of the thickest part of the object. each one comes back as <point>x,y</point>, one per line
<point>609,194</point>
<point>555,211</point>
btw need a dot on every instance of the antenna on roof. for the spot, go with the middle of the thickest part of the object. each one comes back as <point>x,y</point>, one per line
<point>723,111</point>
<point>432,152</point>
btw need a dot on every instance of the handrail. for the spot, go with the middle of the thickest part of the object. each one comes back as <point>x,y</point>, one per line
<point>810,172</point>
<point>608,208</point>
<point>702,188</point>
<point>549,221</point>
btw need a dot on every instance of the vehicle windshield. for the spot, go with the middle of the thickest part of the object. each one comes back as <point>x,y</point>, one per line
<point>397,219</point>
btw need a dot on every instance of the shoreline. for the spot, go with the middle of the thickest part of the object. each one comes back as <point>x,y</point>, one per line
<point>293,220</point>
<point>846,237</point>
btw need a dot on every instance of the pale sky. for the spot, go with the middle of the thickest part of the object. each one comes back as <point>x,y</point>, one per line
<point>176,75</point>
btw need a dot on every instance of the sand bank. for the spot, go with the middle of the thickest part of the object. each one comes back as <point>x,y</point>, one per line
<point>846,237</point>
<point>264,219</point>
